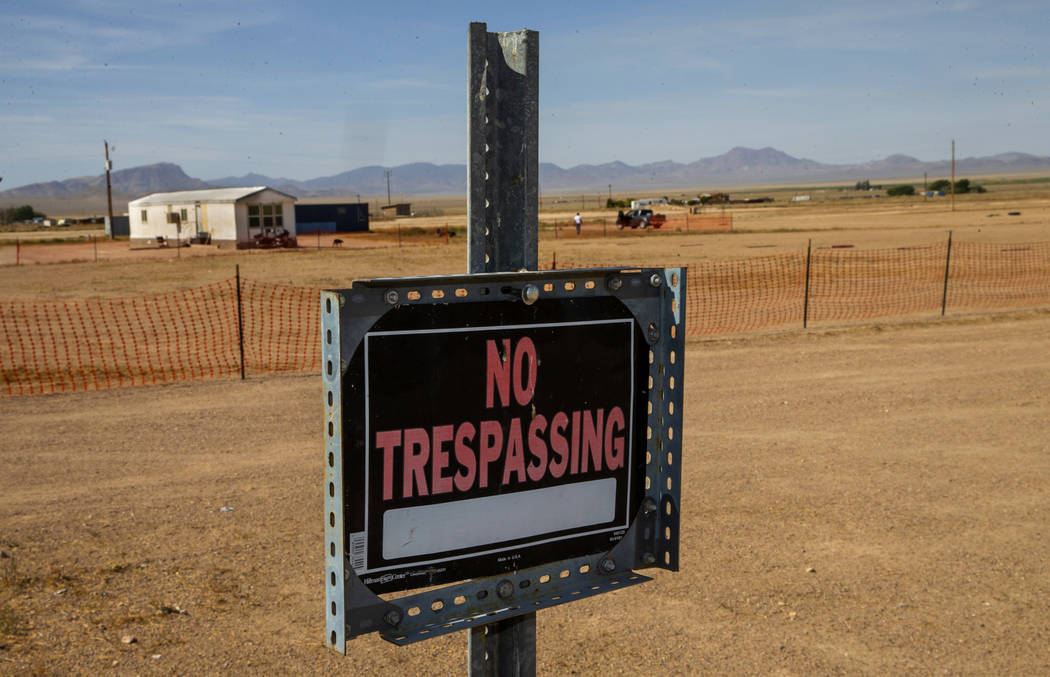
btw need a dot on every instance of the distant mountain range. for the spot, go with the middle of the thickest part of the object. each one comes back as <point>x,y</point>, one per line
<point>163,176</point>
<point>739,166</point>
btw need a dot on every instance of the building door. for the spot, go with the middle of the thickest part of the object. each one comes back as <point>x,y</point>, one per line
<point>201,236</point>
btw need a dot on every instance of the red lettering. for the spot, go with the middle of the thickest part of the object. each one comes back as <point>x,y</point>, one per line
<point>439,484</point>
<point>497,372</point>
<point>416,454</point>
<point>559,446</point>
<point>465,457</point>
<point>538,448</point>
<point>592,438</point>
<point>491,444</point>
<point>525,348</point>
<point>515,459</point>
<point>574,441</point>
<point>388,440</point>
<point>459,458</point>
<point>614,443</point>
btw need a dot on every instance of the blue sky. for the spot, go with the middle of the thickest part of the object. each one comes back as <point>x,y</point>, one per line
<point>311,89</point>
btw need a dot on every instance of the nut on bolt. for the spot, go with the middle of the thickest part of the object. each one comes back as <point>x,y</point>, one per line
<point>648,506</point>
<point>654,333</point>
<point>392,617</point>
<point>648,558</point>
<point>392,297</point>
<point>607,565</point>
<point>504,588</point>
<point>615,283</point>
<point>655,280</point>
<point>529,294</point>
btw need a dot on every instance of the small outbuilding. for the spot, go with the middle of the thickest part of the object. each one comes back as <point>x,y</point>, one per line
<point>119,226</point>
<point>228,217</point>
<point>399,209</point>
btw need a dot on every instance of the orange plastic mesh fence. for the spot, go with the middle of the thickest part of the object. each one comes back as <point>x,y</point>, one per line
<point>987,276</point>
<point>847,285</point>
<point>676,221</point>
<point>724,297</point>
<point>700,222</point>
<point>104,343</point>
<point>61,346</point>
<point>32,251</point>
<point>282,327</point>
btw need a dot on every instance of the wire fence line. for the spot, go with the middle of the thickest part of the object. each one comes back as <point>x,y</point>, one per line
<point>199,333</point>
<point>64,346</point>
<point>835,286</point>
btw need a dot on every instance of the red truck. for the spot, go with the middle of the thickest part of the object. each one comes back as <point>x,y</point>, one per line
<point>640,218</point>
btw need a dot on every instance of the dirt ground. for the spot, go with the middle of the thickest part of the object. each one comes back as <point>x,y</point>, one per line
<point>866,501</point>
<point>870,500</point>
<point>759,230</point>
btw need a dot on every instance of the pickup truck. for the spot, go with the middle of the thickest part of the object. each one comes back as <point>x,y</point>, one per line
<point>640,218</point>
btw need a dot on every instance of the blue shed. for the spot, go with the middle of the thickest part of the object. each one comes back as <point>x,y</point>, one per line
<point>344,217</point>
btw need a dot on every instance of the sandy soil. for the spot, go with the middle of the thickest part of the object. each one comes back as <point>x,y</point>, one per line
<point>867,501</point>
<point>779,226</point>
<point>759,230</point>
<point>856,501</point>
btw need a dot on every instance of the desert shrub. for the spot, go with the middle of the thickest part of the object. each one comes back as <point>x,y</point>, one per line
<point>964,186</point>
<point>901,190</point>
<point>961,186</point>
<point>15,214</point>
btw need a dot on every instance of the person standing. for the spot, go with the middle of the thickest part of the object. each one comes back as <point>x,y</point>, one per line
<point>579,222</point>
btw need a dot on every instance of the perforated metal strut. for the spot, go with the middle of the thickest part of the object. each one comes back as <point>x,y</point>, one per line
<point>656,301</point>
<point>502,212</point>
<point>502,142</point>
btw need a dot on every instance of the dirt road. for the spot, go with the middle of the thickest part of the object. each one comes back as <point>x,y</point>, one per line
<point>867,501</point>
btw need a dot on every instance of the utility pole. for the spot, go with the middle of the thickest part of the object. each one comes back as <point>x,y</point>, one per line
<point>388,187</point>
<point>610,192</point>
<point>953,175</point>
<point>924,189</point>
<point>109,190</point>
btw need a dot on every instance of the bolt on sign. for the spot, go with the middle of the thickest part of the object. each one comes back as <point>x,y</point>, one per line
<point>516,435</point>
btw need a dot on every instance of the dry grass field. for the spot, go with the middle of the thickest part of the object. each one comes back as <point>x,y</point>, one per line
<point>865,500</point>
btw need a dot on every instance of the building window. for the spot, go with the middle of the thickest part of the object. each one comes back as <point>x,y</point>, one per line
<point>145,214</point>
<point>182,215</point>
<point>266,217</point>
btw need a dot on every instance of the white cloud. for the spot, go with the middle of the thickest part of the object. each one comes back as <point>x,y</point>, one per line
<point>72,40</point>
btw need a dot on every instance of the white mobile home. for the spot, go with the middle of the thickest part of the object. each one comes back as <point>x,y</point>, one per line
<point>227,217</point>
<point>648,202</point>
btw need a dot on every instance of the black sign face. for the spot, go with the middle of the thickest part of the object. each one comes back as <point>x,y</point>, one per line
<point>491,441</point>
